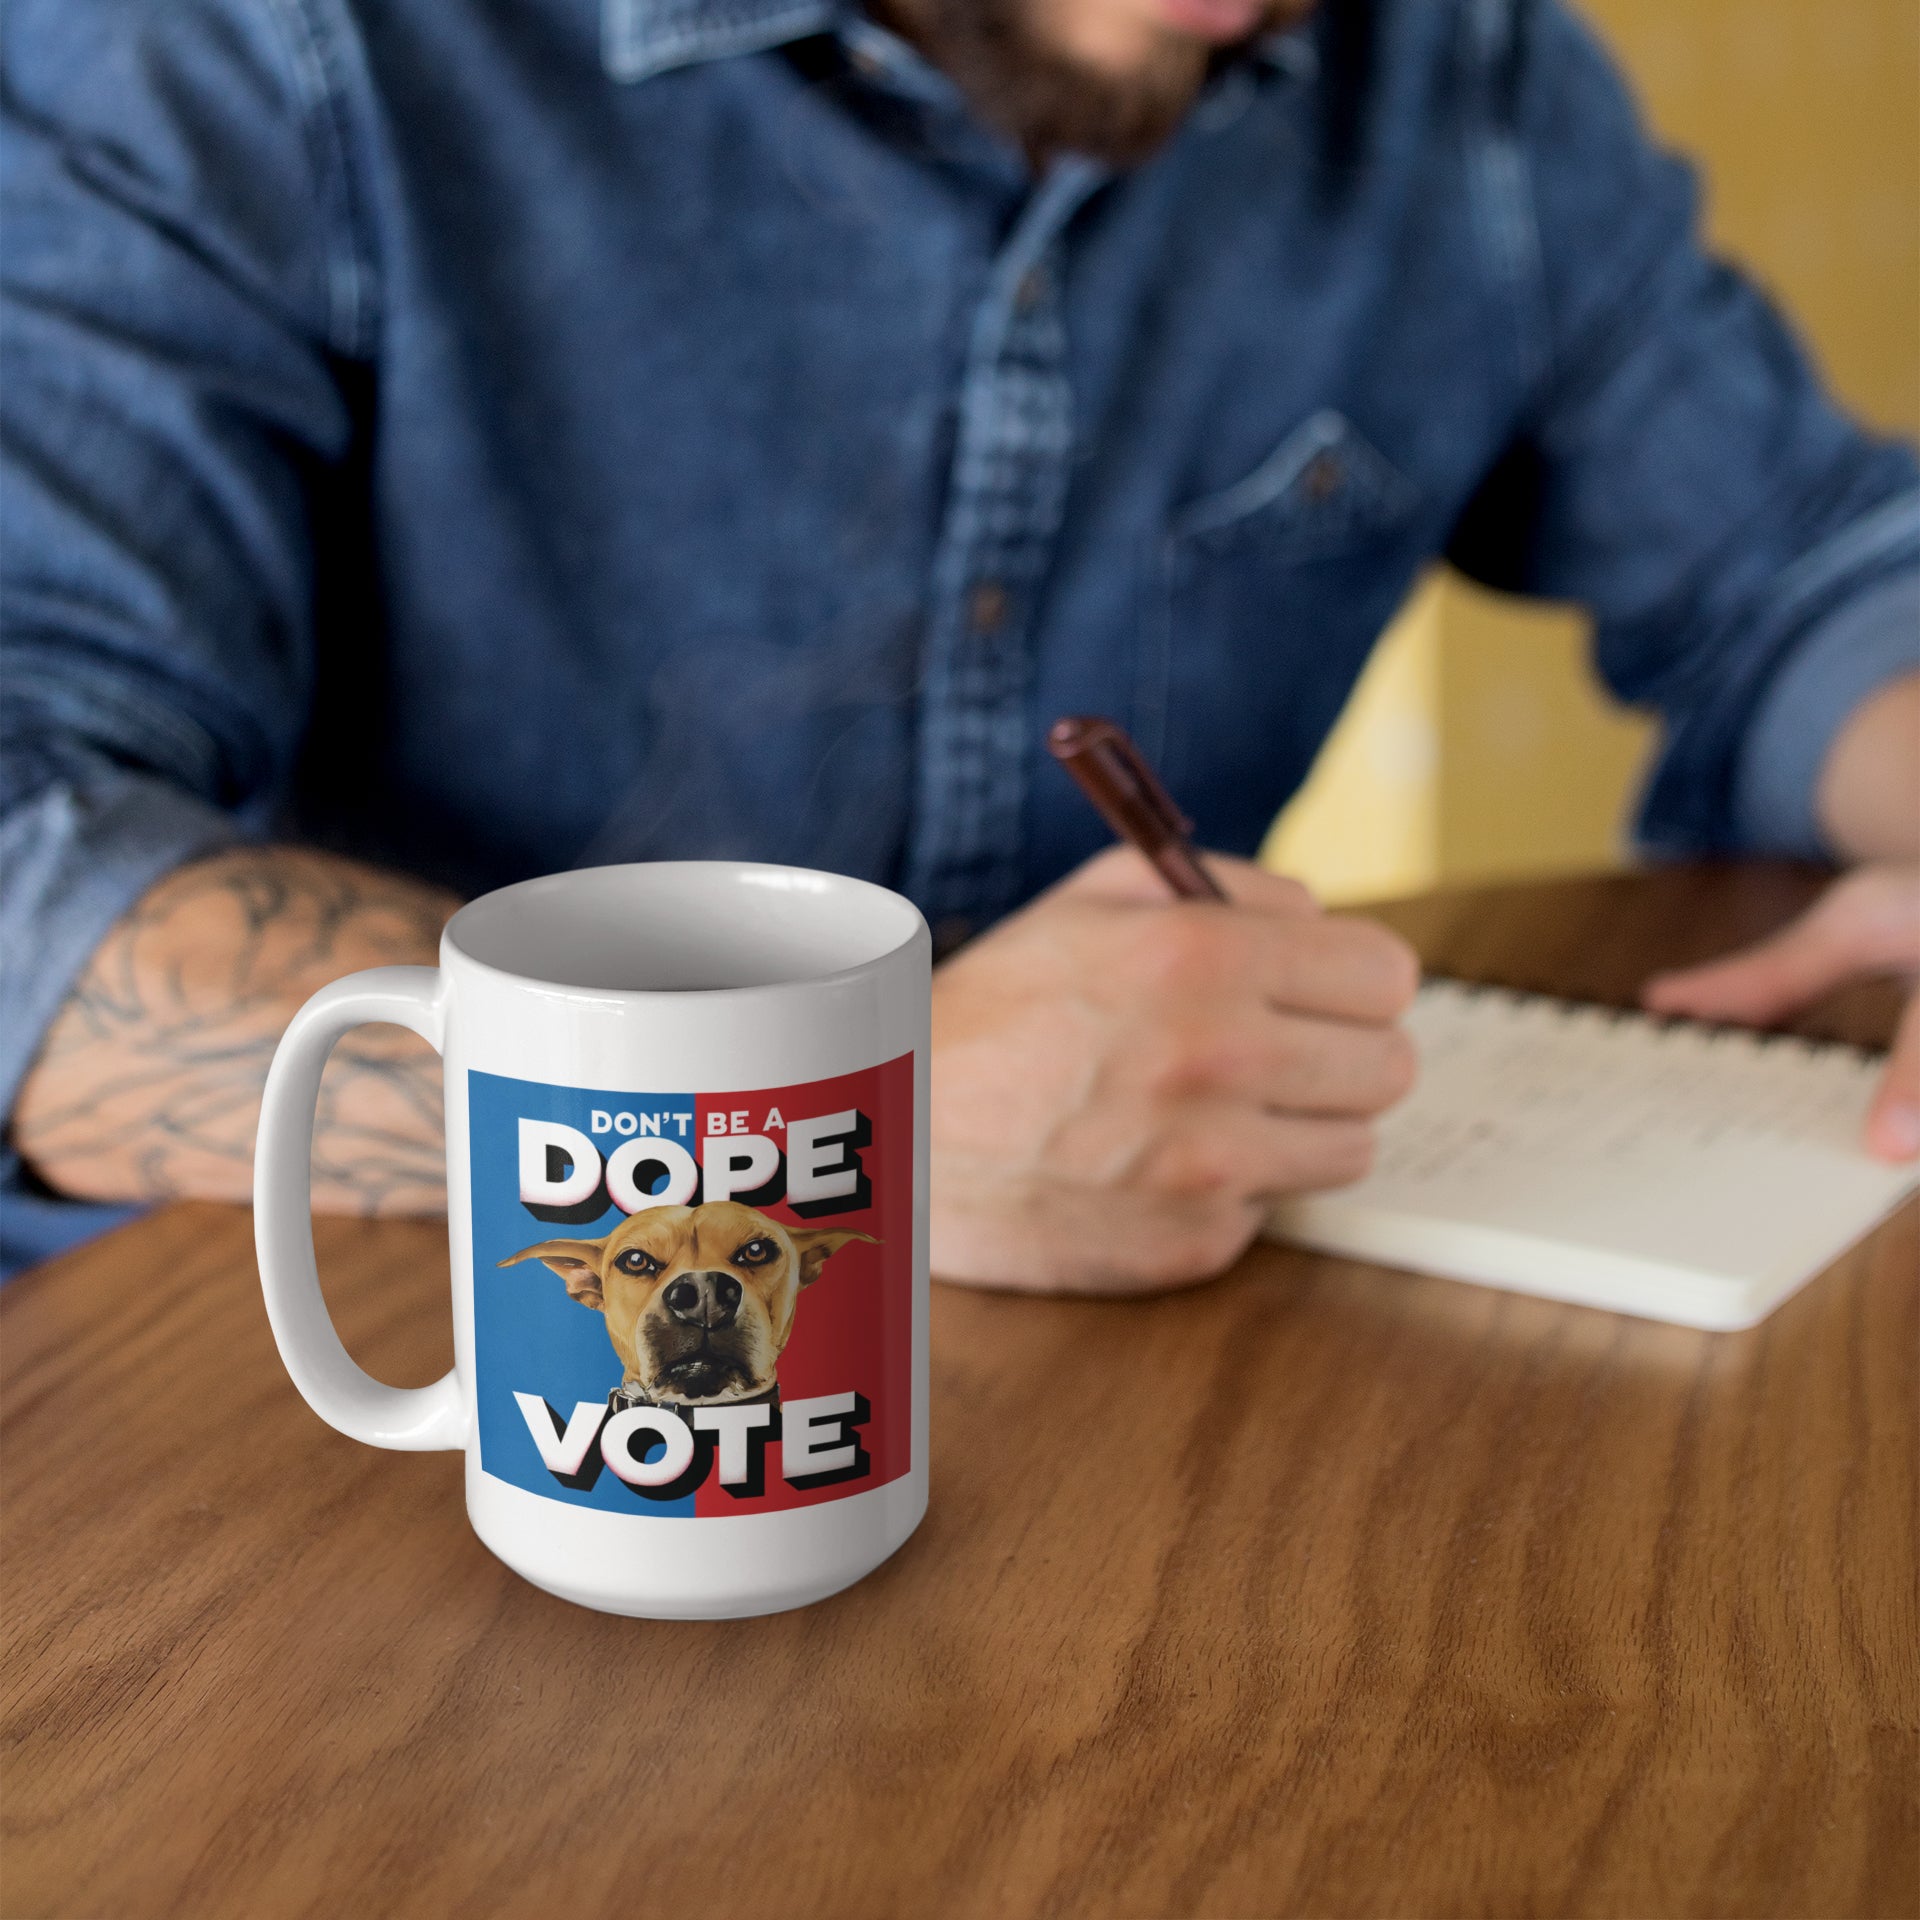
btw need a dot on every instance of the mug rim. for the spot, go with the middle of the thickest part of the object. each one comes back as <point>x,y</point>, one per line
<point>818,880</point>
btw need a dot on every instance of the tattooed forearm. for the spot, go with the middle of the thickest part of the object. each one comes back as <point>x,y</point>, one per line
<point>148,1084</point>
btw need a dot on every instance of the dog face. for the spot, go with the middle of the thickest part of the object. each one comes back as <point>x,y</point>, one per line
<point>699,1301</point>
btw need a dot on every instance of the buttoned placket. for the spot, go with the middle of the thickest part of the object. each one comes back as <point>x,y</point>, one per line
<point>964,862</point>
<point>1008,487</point>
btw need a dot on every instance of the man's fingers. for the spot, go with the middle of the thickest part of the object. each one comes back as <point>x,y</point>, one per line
<point>1893,1122</point>
<point>1251,885</point>
<point>1226,1149</point>
<point>1282,1062</point>
<point>1760,983</point>
<point>1867,922</point>
<point>1199,957</point>
<point>1123,874</point>
<point>1339,969</point>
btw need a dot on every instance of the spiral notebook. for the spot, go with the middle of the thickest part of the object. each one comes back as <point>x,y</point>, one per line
<point>1681,1172</point>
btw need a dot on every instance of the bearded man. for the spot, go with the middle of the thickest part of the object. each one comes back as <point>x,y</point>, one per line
<point>449,441</point>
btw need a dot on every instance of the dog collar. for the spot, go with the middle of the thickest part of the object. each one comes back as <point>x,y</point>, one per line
<point>621,1398</point>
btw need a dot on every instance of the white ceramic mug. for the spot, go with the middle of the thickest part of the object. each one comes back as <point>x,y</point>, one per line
<point>686,1111</point>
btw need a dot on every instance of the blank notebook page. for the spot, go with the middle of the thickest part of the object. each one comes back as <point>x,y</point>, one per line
<point>1688,1173</point>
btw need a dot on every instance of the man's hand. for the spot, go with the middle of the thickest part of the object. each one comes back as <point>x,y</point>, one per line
<point>148,1083</point>
<point>1122,1082</point>
<point>1866,923</point>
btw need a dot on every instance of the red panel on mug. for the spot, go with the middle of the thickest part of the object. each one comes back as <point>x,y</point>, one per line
<point>833,1163</point>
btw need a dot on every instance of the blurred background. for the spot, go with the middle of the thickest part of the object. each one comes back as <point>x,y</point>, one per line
<point>1479,744</point>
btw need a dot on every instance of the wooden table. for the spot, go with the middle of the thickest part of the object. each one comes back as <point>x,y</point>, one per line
<point>1322,1590</point>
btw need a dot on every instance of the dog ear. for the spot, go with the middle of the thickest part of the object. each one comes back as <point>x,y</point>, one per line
<point>817,1245</point>
<point>577,1262</point>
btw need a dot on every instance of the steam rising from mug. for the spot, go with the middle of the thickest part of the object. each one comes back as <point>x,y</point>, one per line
<point>799,754</point>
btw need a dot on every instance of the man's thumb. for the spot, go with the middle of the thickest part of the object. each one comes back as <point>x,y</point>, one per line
<point>1893,1122</point>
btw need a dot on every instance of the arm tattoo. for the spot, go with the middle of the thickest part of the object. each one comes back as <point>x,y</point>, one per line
<point>148,1083</point>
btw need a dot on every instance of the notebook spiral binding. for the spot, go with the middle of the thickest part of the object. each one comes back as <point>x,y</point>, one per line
<point>1655,1025</point>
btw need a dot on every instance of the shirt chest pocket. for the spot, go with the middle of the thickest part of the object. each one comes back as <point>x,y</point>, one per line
<point>1269,595</point>
<point>1322,489</point>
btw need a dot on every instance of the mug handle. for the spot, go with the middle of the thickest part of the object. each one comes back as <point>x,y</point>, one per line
<point>414,1419</point>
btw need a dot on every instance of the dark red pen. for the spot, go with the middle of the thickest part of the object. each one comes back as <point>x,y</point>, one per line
<point>1113,773</point>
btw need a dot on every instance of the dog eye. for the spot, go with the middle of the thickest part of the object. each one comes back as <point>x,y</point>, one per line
<point>634,1261</point>
<point>756,1253</point>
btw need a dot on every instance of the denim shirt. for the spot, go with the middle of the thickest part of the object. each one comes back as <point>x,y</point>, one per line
<point>487,439</point>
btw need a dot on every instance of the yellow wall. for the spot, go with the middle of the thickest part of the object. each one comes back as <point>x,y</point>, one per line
<point>1478,744</point>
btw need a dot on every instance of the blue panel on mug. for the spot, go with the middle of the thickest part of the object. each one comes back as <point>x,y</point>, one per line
<point>531,1337</point>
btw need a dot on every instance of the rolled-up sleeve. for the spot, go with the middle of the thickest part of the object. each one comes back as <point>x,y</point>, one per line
<point>181,284</point>
<point>1869,641</point>
<point>1747,550</point>
<point>72,860</point>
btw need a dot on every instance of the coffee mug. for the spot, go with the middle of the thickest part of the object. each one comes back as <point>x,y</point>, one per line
<point>686,1116</point>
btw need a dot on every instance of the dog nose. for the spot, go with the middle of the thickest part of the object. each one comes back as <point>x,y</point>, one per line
<point>704,1299</point>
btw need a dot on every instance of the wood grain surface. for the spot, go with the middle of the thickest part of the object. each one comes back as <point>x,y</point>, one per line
<point>1321,1590</point>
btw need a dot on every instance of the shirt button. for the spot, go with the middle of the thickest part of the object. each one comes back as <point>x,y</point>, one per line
<point>987,608</point>
<point>1323,476</point>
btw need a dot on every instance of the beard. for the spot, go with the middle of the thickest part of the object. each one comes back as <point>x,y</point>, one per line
<point>1045,99</point>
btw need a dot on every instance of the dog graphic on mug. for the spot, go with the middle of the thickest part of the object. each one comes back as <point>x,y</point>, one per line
<point>699,1301</point>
